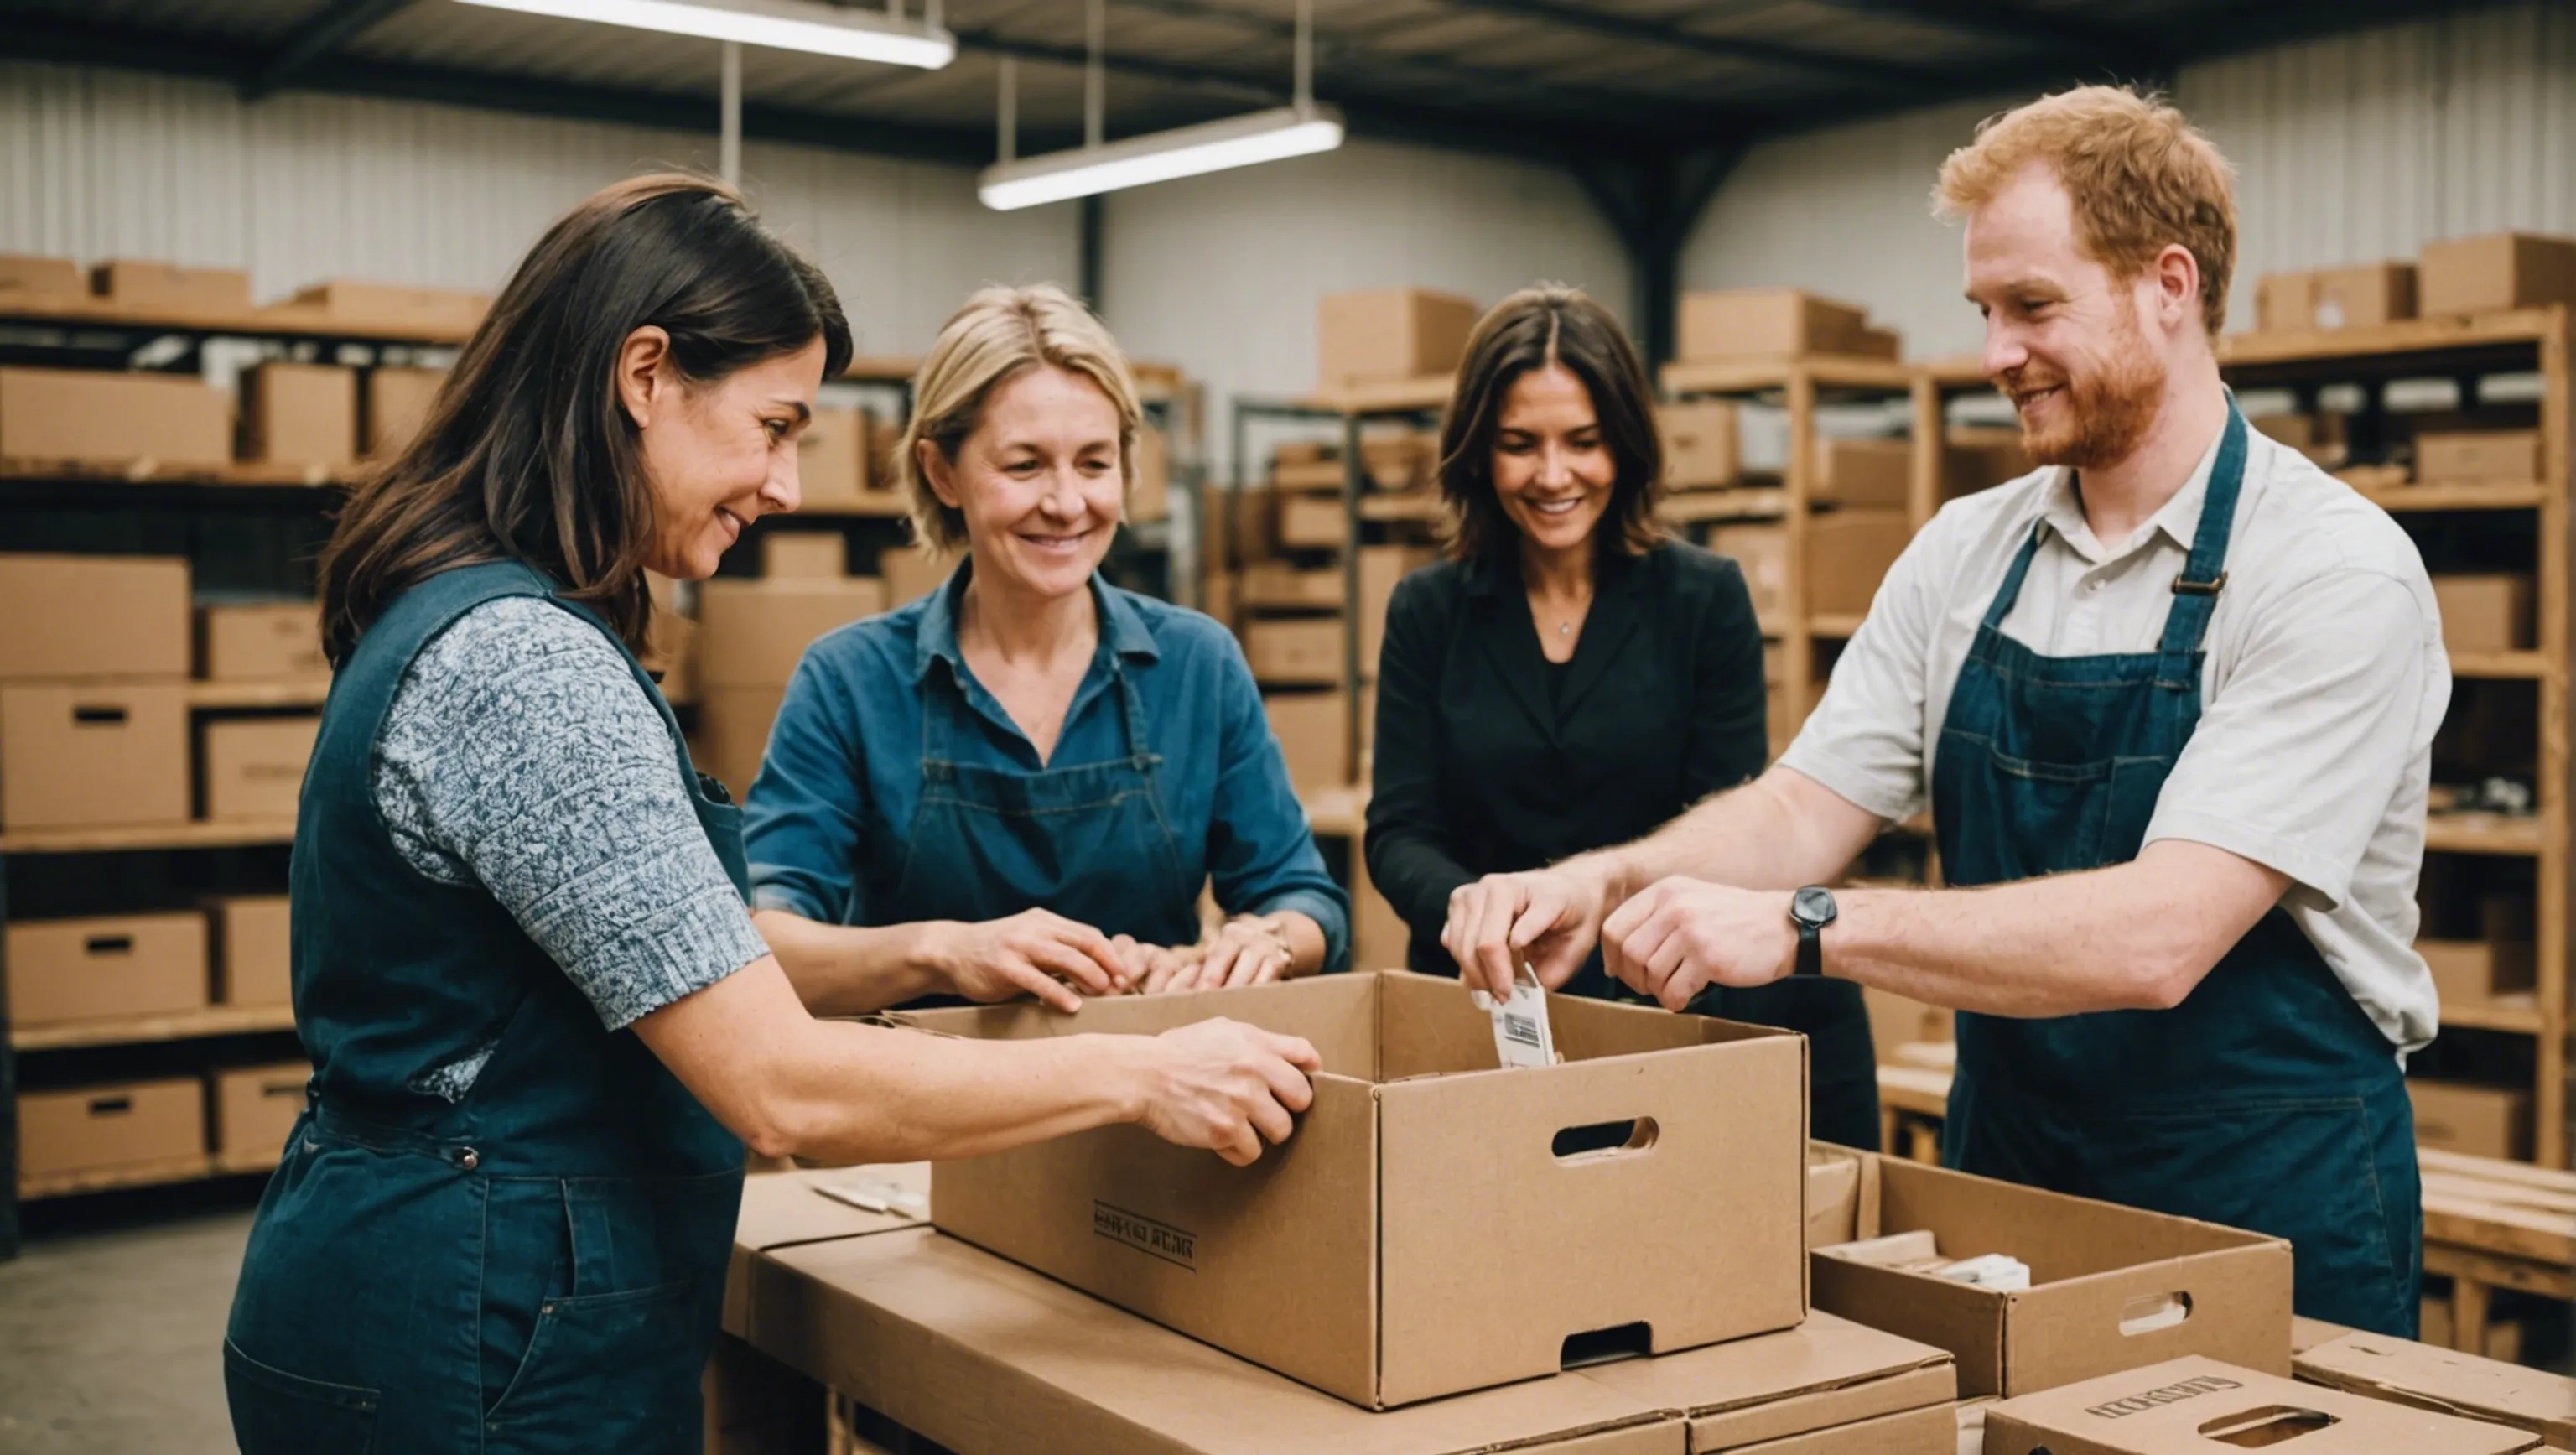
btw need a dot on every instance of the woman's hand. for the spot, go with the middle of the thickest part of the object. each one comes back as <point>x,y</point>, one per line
<point>1034,952</point>
<point>1245,951</point>
<point>1226,1086</point>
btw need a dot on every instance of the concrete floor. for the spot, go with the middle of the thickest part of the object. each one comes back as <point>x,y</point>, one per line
<point>112,1342</point>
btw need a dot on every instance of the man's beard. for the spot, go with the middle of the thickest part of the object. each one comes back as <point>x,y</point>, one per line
<point>2106,413</point>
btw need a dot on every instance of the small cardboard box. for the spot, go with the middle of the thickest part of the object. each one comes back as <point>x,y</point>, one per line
<point>1763,553</point>
<point>1864,472</point>
<point>1848,553</point>
<point>753,633</point>
<point>2489,613</point>
<point>153,286</point>
<point>2396,1370</point>
<point>1361,1256</point>
<point>255,1107</point>
<point>2476,1121</point>
<point>94,969</point>
<point>1389,333</point>
<point>1974,459</point>
<point>2497,271</point>
<point>1311,523</point>
<point>267,642</point>
<point>1313,729</point>
<point>804,555</point>
<point>2095,1268</point>
<point>2478,457</point>
<point>393,308</point>
<point>92,417</point>
<point>255,766</point>
<point>832,460</point>
<point>1149,486</point>
<point>1284,584</point>
<point>96,1128</point>
<point>1295,653</point>
<point>2363,296</point>
<point>93,755</point>
<point>254,959</point>
<point>2203,1406</point>
<point>398,401</point>
<point>300,414</point>
<point>2474,972</point>
<point>733,733</point>
<point>28,278</point>
<point>911,574</point>
<point>1702,448</point>
<point>74,618</point>
<point>1771,322</point>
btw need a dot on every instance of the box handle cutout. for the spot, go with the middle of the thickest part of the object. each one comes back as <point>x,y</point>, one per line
<point>2150,1312</point>
<point>98,716</point>
<point>108,945</point>
<point>1607,1346</point>
<point>1604,1139</point>
<point>2270,1425</point>
<point>108,1106</point>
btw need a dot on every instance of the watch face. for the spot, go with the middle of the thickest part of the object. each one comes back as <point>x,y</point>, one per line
<point>1813,904</point>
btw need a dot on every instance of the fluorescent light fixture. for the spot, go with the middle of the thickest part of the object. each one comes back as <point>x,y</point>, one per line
<point>787,25</point>
<point>1213,146</point>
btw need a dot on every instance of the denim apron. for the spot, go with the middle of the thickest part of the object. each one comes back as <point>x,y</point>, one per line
<point>1091,843</point>
<point>2267,1100</point>
<point>538,1266</point>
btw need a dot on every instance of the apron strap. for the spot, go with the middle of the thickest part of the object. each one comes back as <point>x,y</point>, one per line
<point>2204,571</point>
<point>2010,591</point>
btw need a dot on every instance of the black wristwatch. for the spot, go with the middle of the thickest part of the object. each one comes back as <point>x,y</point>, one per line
<point>1811,909</point>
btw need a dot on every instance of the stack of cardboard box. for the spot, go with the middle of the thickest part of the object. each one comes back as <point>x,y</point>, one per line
<point>1777,323</point>
<point>750,636</point>
<point>2491,273</point>
<point>1389,335</point>
<point>93,692</point>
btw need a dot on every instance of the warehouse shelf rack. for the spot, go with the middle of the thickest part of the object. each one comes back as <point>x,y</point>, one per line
<point>133,1030</point>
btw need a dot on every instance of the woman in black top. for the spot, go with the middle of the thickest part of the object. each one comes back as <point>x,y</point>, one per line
<point>1571,677</point>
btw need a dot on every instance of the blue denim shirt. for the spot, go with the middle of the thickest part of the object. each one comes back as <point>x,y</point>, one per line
<point>828,825</point>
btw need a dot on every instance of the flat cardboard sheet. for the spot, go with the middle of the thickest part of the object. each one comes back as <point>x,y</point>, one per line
<point>2186,1406</point>
<point>2447,1381</point>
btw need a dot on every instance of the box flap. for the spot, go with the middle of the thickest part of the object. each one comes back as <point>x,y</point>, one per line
<point>1928,1431</point>
<point>2444,1380</point>
<point>2182,1406</point>
<point>783,1209</point>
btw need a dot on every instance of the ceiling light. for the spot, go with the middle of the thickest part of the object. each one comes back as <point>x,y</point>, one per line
<point>1237,141</point>
<point>788,25</point>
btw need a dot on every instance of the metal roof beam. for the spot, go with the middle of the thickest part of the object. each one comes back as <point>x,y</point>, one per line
<point>315,40</point>
<point>2062,30</point>
<point>1861,70</point>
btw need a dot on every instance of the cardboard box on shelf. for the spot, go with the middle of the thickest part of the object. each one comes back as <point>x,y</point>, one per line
<point>1254,521</point>
<point>143,284</point>
<point>2378,1367</point>
<point>2471,973</point>
<point>1973,459</point>
<point>733,733</point>
<point>1308,475</point>
<point>671,653</point>
<point>1763,553</point>
<point>1389,333</point>
<point>2363,296</point>
<point>2497,271</point>
<point>1341,1258</point>
<point>112,966</point>
<point>1702,448</point>
<point>2189,1406</point>
<point>2487,613</point>
<point>256,1106</point>
<point>2478,1121</point>
<point>2478,457</point>
<point>95,417</point>
<point>1295,653</point>
<point>391,308</point>
<point>1313,729</point>
<point>1848,553</point>
<point>1311,522</point>
<point>93,755</point>
<point>396,403</point>
<point>300,414</point>
<point>96,1128</point>
<point>254,963</point>
<point>1864,472</point>
<point>804,555</point>
<point>1879,343</point>
<point>254,767</point>
<point>2104,1282</point>
<point>753,633</point>
<point>1149,491</point>
<point>1771,322</point>
<point>261,642</point>
<point>1381,568</point>
<point>83,617</point>
<point>2301,431</point>
<point>832,460</point>
<point>910,575</point>
<point>26,277</point>
<point>1284,584</point>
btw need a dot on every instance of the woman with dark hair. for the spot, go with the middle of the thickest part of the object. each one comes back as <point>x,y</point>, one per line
<point>1571,676</point>
<point>541,1022</point>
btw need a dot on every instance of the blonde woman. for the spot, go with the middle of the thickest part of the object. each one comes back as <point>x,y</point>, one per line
<point>1019,783</point>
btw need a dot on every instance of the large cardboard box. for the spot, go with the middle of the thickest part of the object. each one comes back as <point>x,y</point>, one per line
<point>392,308</point>
<point>753,633</point>
<point>254,959</point>
<point>94,969</point>
<point>2205,1406</point>
<point>1295,653</point>
<point>254,767</point>
<point>255,1107</point>
<point>2362,296</point>
<point>1702,448</point>
<point>300,414</point>
<point>27,278</point>
<point>398,402</point>
<point>2478,457</point>
<point>85,617</point>
<point>1769,322</point>
<point>2378,1367</point>
<point>910,574</point>
<point>2469,973</point>
<point>1848,553</point>
<point>1763,552</point>
<point>2477,1121</point>
<point>804,555</point>
<point>262,642</point>
<point>2094,1267</point>
<point>1313,729</point>
<point>98,1128</point>
<point>2497,271</point>
<point>733,733</point>
<point>93,755</point>
<point>1311,523</point>
<point>1864,472</point>
<point>1368,1255</point>
<point>832,460</point>
<point>146,285</point>
<point>93,417</point>
<point>2488,613</point>
<point>1389,333</point>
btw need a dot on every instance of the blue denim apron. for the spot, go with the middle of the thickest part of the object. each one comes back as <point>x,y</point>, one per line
<point>538,1266</point>
<point>1092,842</point>
<point>2267,1100</point>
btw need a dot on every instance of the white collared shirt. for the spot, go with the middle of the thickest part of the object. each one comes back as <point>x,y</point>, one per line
<point>2324,683</point>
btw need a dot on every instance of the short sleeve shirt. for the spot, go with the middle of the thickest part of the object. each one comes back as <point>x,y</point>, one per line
<point>2323,684</point>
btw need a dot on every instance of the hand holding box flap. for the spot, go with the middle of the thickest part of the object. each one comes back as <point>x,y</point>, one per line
<point>2206,1407</point>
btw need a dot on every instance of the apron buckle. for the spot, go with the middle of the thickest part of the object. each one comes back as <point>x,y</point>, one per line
<point>2185,586</point>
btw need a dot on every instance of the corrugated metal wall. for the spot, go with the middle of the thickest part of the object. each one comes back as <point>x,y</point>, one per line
<point>2349,149</point>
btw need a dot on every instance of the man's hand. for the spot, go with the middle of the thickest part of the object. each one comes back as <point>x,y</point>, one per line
<point>1549,917</point>
<point>1683,934</point>
<point>1226,1086</point>
<point>1034,952</point>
